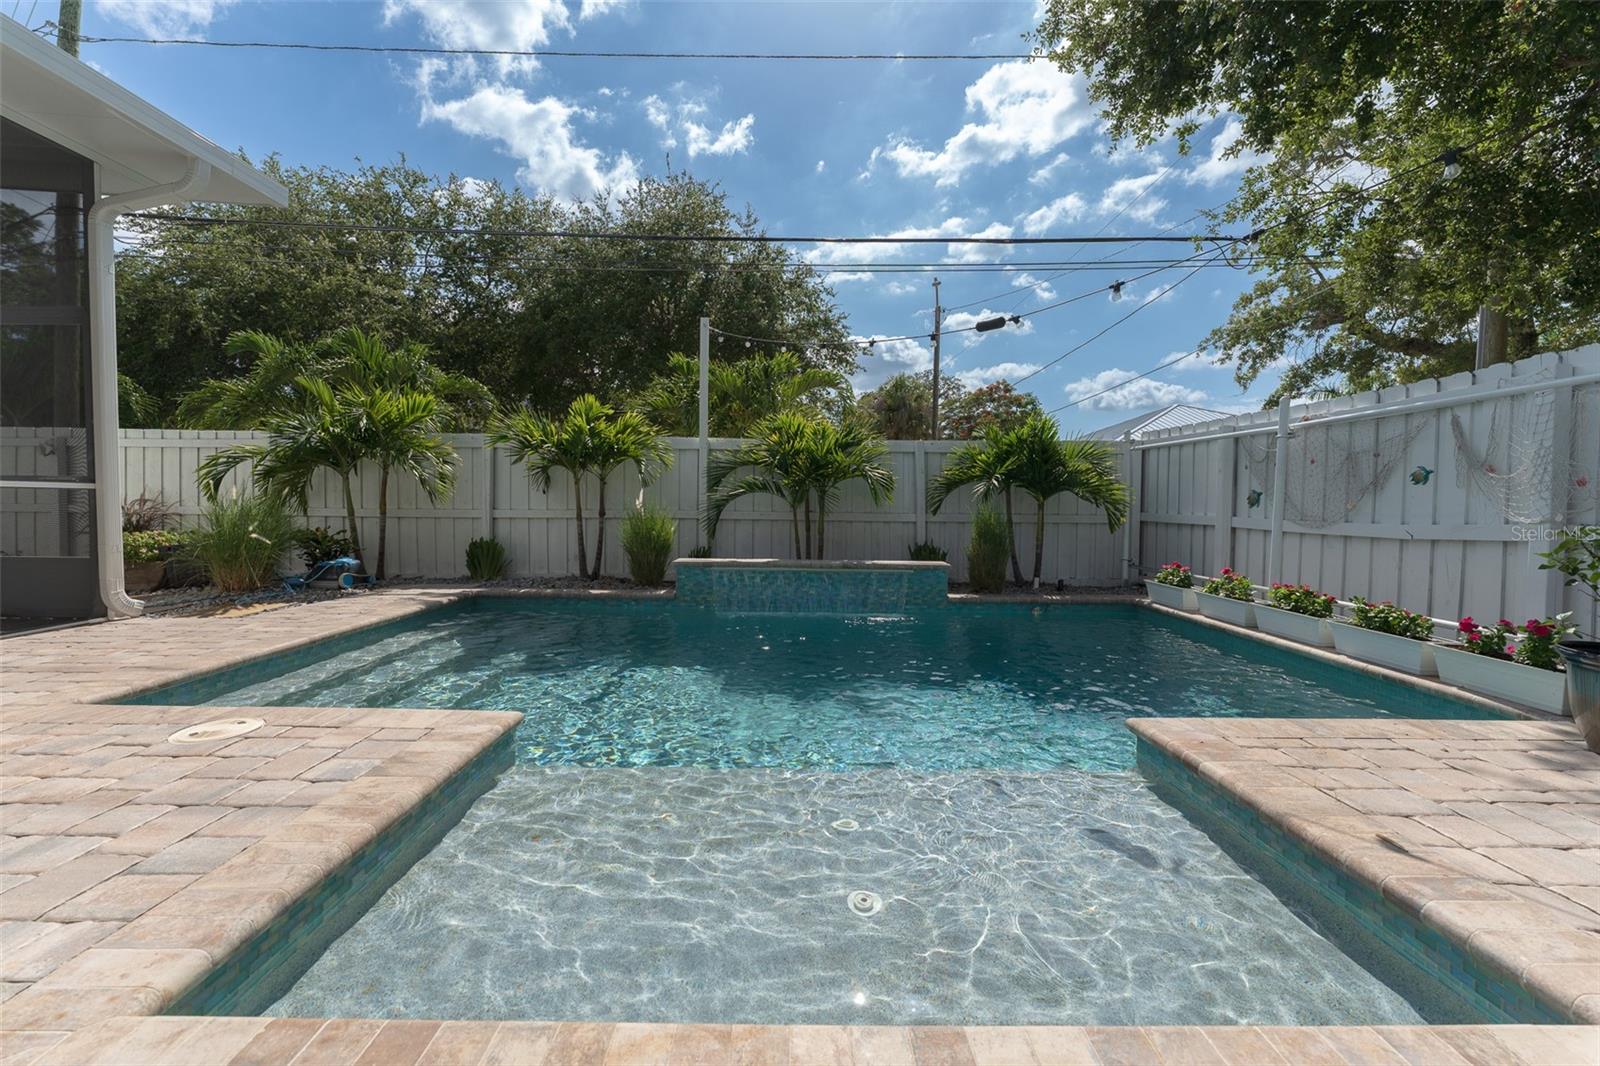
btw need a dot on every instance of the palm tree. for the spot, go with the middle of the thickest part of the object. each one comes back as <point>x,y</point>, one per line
<point>802,460</point>
<point>741,393</point>
<point>591,438</point>
<point>987,467</point>
<point>310,430</point>
<point>346,356</point>
<point>1032,458</point>
<point>399,430</point>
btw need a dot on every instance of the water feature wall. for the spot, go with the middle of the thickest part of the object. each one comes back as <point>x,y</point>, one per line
<point>779,586</point>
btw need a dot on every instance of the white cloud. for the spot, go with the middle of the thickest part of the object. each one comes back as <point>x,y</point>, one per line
<point>595,8</point>
<point>822,164</point>
<point>683,117</point>
<point>734,138</point>
<point>955,252</point>
<point>1191,363</point>
<point>967,319</point>
<point>1130,196</point>
<point>538,132</point>
<point>909,353</point>
<point>1041,289</point>
<point>516,25</point>
<point>1220,166</point>
<point>985,375</point>
<point>842,277</point>
<point>901,288</point>
<point>1068,208</point>
<point>1047,172</point>
<point>1132,396</point>
<point>1023,107</point>
<point>172,18</point>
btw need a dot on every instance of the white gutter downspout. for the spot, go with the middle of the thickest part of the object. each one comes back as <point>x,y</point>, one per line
<point>102,218</point>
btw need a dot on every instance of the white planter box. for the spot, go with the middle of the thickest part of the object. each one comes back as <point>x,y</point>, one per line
<point>1397,653</point>
<point>1171,596</point>
<point>1235,612</point>
<point>1543,690</point>
<point>1290,625</point>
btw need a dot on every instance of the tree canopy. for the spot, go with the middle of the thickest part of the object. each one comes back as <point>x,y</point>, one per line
<point>441,263</point>
<point>987,409</point>
<point>1374,264</point>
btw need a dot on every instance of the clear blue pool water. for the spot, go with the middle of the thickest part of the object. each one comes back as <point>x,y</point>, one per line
<point>963,687</point>
<point>697,796</point>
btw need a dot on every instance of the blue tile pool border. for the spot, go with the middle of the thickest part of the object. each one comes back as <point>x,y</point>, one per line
<point>811,588</point>
<point>267,965</point>
<point>1360,919</point>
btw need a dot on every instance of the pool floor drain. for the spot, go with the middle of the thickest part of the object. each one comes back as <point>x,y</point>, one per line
<point>221,729</point>
<point>864,903</point>
<point>847,825</point>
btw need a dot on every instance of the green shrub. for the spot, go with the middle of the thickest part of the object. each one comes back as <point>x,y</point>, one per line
<point>927,552</point>
<point>648,537</point>
<point>1387,618</point>
<point>487,559</point>
<point>989,551</point>
<point>240,541</point>
<point>148,545</point>
<point>319,544</point>
<point>700,551</point>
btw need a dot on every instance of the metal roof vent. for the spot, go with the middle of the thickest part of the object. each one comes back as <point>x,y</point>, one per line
<point>221,729</point>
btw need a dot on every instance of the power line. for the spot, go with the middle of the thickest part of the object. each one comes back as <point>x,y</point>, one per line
<point>655,238</point>
<point>559,53</point>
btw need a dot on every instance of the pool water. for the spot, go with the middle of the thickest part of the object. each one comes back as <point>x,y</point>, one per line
<point>930,819</point>
<point>964,687</point>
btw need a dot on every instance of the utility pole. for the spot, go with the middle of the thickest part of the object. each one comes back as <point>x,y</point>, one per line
<point>67,23</point>
<point>938,322</point>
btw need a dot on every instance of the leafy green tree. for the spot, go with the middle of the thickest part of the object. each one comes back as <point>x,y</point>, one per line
<point>804,460</point>
<point>1033,459</point>
<point>1385,285</point>
<point>997,405</point>
<point>902,407</point>
<point>443,263</point>
<point>590,438</point>
<point>740,394</point>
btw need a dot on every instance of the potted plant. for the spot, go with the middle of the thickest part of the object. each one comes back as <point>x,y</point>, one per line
<point>1519,664</point>
<point>1297,612</point>
<point>144,558</point>
<point>1229,597</point>
<point>1387,635</point>
<point>1173,586</point>
<point>1577,555</point>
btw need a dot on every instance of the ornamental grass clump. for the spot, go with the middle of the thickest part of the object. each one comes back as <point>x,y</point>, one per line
<point>927,552</point>
<point>1175,574</point>
<point>1301,599</point>
<point>486,559</point>
<point>1385,617</point>
<point>240,541</point>
<point>989,551</point>
<point>648,537</point>
<point>1230,584</point>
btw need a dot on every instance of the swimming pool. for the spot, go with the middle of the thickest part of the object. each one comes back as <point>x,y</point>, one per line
<point>1003,686</point>
<point>791,818</point>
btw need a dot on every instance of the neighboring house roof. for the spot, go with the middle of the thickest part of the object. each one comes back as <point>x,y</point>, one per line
<point>1169,417</point>
<point>136,145</point>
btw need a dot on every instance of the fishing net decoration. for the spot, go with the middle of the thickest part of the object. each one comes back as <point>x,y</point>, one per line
<point>1523,470</point>
<point>1332,468</point>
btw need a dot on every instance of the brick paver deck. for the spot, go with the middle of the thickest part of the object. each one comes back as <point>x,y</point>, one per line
<point>130,866</point>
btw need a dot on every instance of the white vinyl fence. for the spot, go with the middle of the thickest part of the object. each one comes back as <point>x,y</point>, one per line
<point>1437,495</point>
<point>494,498</point>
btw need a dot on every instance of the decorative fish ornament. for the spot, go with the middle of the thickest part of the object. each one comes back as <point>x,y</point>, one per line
<point>1254,499</point>
<point>1420,475</point>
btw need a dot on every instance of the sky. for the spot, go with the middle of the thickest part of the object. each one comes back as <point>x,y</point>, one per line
<point>891,148</point>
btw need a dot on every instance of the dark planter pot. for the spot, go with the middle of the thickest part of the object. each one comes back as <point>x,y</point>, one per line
<point>1583,687</point>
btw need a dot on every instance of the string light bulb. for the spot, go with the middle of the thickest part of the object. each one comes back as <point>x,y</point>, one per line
<point>1116,291</point>
<point>1452,163</point>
